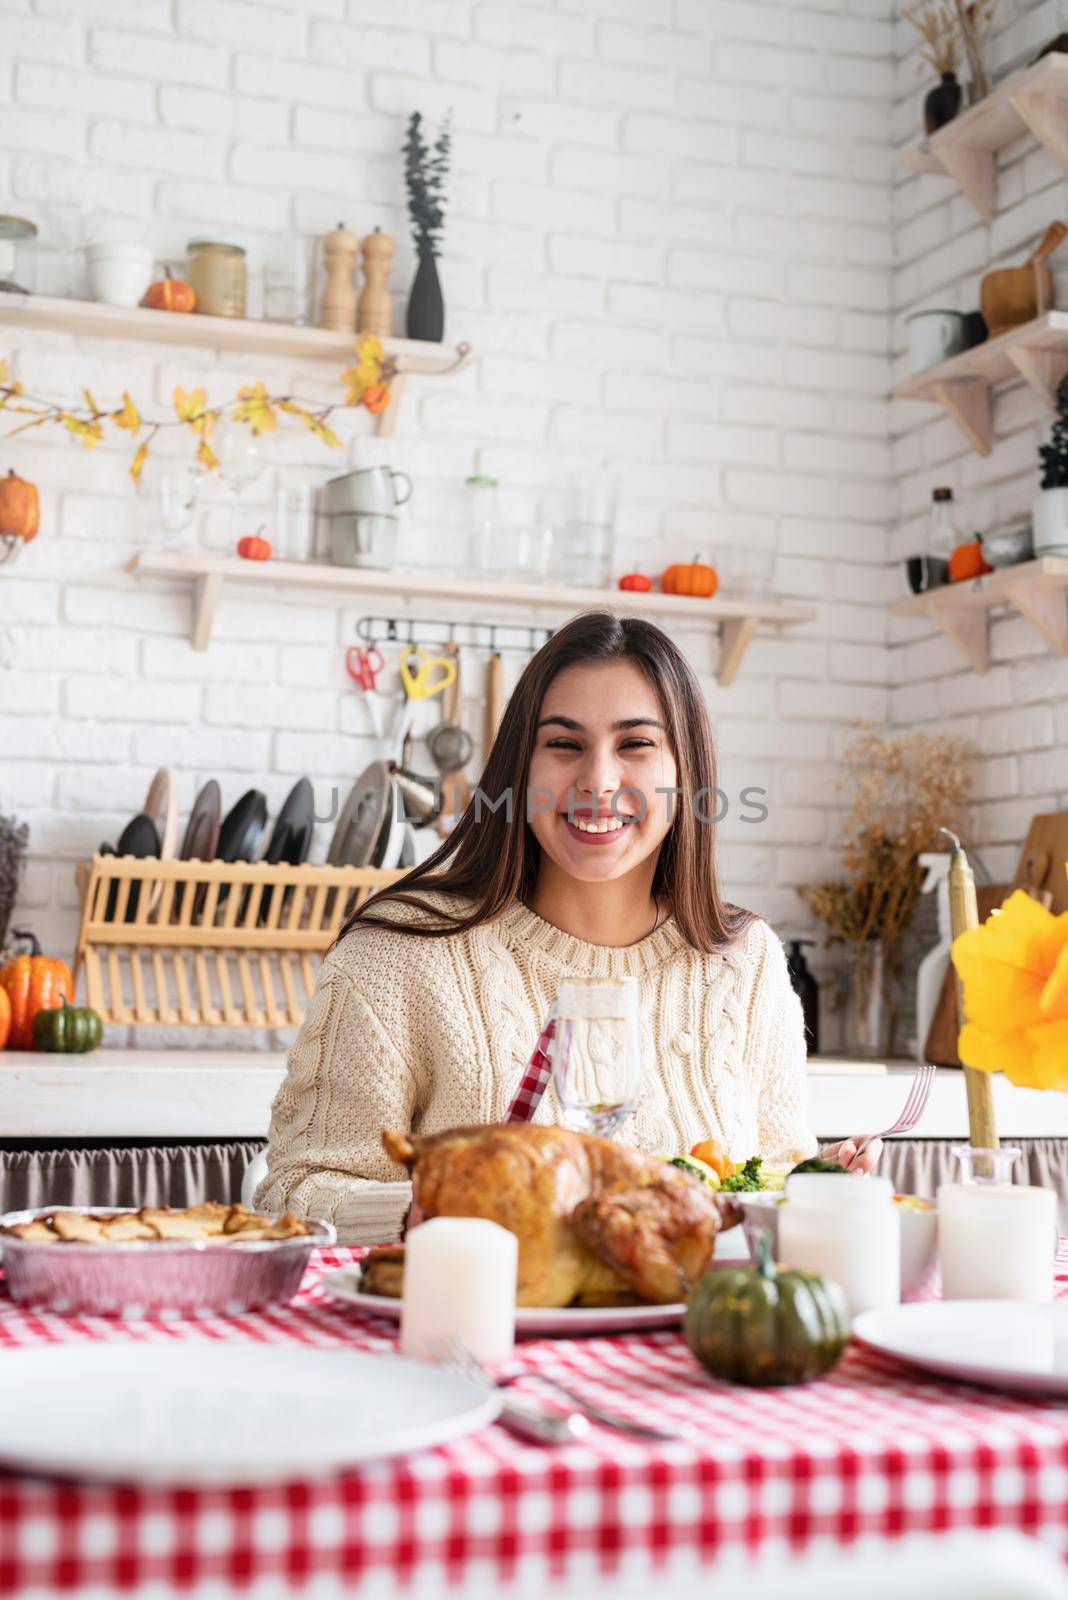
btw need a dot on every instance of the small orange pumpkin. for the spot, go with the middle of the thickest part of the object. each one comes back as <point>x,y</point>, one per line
<point>690,578</point>
<point>171,294</point>
<point>20,507</point>
<point>33,983</point>
<point>254,548</point>
<point>636,581</point>
<point>712,1153</point>
<point>968,561</point>
<point>5,1017</point>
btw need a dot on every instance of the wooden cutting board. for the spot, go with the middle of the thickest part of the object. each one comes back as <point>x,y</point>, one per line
<point>941,1045</point>
<point>1042,861</point>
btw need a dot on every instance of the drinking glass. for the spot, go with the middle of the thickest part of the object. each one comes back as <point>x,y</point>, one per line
<point>596,1053</point>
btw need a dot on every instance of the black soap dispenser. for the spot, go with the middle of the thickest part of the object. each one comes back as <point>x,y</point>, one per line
<point>807,990</point>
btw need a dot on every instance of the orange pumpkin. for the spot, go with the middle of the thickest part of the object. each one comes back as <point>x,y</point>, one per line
<point>712,1153</point>
<point>20,507</point>
<point>968,561</point>
<point>5,1017</point>
<point>690,578</point>
<point>254,548</point>
<point>33,983</point>
<point>171,294</point>
<point>636,581</point>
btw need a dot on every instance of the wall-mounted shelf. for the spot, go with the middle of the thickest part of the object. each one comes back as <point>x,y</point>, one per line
<point>1038,590</point>
<point>1036,351</point>
<point>279,340</point>
<point>737,620</point>
<point>1033,101</point>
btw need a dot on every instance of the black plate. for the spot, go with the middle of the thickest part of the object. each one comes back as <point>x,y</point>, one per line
<point>243,827</point>
<point>139,838</point>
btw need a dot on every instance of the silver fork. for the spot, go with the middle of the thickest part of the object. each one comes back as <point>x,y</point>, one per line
<point>911,1111</point>
<point>539,1427</point>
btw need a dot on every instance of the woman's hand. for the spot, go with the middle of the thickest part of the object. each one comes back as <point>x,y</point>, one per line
<point>846,1149</point>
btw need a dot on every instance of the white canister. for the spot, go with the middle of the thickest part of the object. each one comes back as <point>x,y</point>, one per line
<point>844,1227</point>
<point>996,1241</point>
<point>459,1283</point>
<point>1049,522</point>
<point>119,274</point>
<point>934,336</point>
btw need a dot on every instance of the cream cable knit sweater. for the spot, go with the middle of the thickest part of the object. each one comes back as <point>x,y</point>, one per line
<point>414,1033</point>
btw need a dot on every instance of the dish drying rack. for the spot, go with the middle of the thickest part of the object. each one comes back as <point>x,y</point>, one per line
<point>210,944</point>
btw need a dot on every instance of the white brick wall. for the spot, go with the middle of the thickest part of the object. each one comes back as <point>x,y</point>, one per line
<point>942,248</point>
<point>668,240</point>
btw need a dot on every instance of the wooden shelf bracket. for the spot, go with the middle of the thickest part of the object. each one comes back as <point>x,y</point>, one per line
<point>974,172</point>
<point>1041,370</point>
<point>1045,609</point>
<point>967,400</point>
<point>967,629</point>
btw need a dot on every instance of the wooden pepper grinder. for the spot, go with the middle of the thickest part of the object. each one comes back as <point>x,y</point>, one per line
<point>375,312</point>
<point>338,311</point>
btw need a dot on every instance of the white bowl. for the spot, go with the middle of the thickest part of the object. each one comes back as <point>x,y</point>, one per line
<point>919,1236</point>
<point>119,274</point>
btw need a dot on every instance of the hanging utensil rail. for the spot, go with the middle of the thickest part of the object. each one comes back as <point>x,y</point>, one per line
<point>468,635</point>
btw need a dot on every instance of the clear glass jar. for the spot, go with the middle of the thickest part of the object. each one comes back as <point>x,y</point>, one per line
<point>219,276</point>
<point>483,518</point>
<point>846,1227</point>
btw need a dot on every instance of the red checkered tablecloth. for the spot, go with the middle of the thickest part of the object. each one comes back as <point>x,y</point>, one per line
<point>872,1451</point>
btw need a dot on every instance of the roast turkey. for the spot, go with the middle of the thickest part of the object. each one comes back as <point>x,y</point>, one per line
<point>597,1223</point>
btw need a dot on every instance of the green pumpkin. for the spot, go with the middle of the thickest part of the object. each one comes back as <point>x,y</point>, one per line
<point>70,1030</point>
<point>758,1325</point>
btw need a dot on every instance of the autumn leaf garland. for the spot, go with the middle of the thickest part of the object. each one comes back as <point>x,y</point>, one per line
<point>367,384</point>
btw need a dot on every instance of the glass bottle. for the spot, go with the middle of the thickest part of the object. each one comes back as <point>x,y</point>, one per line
<point>942,538</point>
<point>483,524</point>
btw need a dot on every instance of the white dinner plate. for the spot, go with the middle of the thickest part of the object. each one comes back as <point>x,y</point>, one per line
<point>1005,1344</point>
<point>212,1414</point>
<point>344,1284</point>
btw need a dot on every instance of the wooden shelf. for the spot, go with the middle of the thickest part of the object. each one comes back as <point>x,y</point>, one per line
<point>1033,101</point>
<point>1038,590</point>
<point>737,620</point>
<point>1036,351</point>
<point>90,320</point>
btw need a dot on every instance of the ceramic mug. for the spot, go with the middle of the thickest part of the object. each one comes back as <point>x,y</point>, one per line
<point>363,540</point>
<point>934,336</point>
<point>367,490</point>
<point>119,274</point>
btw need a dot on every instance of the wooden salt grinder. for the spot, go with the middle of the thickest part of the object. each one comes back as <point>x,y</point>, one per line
<point>375,312</point>
<point>338,311</point>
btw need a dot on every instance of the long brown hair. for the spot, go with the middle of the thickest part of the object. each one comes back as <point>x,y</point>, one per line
<point>492,856</point>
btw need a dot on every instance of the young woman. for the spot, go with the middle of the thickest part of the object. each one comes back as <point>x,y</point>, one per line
<point>585,852</point>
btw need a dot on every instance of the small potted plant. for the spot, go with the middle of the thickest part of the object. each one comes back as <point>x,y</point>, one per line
<point>1049,511</point>
<point>937,26</point>
<point>426,171</point>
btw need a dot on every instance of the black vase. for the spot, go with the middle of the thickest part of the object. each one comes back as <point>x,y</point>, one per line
<point>942,103</point>
<point>426,309</point>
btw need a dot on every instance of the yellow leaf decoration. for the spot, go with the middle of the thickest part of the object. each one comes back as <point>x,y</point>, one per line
<point>312,422</point>
<point>91,403</point>
<point>8,385</point>
<point>206,456</point>
<point>90,433</point>
<point>138,462</point>
<point>1014,969</point>
<point>192,408</point>
<point>255,407</point>
<point>128,417</point>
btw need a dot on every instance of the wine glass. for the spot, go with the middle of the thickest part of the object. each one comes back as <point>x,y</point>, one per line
<point>596,1053</point>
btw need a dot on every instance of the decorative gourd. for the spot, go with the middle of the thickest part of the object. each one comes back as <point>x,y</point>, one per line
<point>5,1017</point>
<point>968,561</point>
<point>171,294</point>
<point>636,581</point>
<point>254,547</point>
<point>690,578</point>
<point>69,1030</point>
<point>33,983</point>
<point>20,508</point>
<point>762,1326</point>
<point>712,1153</point>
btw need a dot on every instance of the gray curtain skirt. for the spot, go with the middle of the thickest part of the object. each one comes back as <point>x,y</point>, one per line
<point>134,1175</point>
<point>185,1174</point>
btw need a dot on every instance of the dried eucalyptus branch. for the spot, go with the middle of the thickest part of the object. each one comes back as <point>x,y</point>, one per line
<point>14,837</point>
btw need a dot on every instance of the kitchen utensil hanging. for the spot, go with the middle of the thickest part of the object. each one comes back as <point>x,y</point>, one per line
<point>495,701</point>
<point>428,631</point>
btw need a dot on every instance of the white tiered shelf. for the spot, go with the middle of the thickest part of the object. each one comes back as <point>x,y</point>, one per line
<point>282,341</point>
<point>1038,590</point>
<point>737,620</point>
<point>1033,101</point>
<point>1036,351</point>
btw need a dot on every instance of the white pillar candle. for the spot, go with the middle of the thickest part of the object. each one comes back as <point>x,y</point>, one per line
<point>996,1241</point>
<point>846,1227</point>
<point>460,1283</point>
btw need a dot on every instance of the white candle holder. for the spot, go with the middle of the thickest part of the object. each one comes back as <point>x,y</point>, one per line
<point>986,1166</point>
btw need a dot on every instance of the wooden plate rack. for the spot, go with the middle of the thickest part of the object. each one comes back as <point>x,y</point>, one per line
<point>210,944</point>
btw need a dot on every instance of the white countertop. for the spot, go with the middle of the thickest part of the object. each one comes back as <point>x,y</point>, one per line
<point>227,1094</point>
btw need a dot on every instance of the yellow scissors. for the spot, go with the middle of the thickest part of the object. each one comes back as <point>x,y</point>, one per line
<point>434,673</point>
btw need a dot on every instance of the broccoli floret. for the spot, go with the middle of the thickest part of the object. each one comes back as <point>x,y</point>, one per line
<point>748,1176</point>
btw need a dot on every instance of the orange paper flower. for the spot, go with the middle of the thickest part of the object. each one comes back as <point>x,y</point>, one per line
<point>1014,969</point>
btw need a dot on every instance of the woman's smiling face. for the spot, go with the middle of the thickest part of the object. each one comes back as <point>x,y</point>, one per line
<point>601,753</point>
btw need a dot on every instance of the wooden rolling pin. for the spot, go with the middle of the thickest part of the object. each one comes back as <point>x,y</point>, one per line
<point>964,914</point>
<point>455,788</point>
<point>494,700</point>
